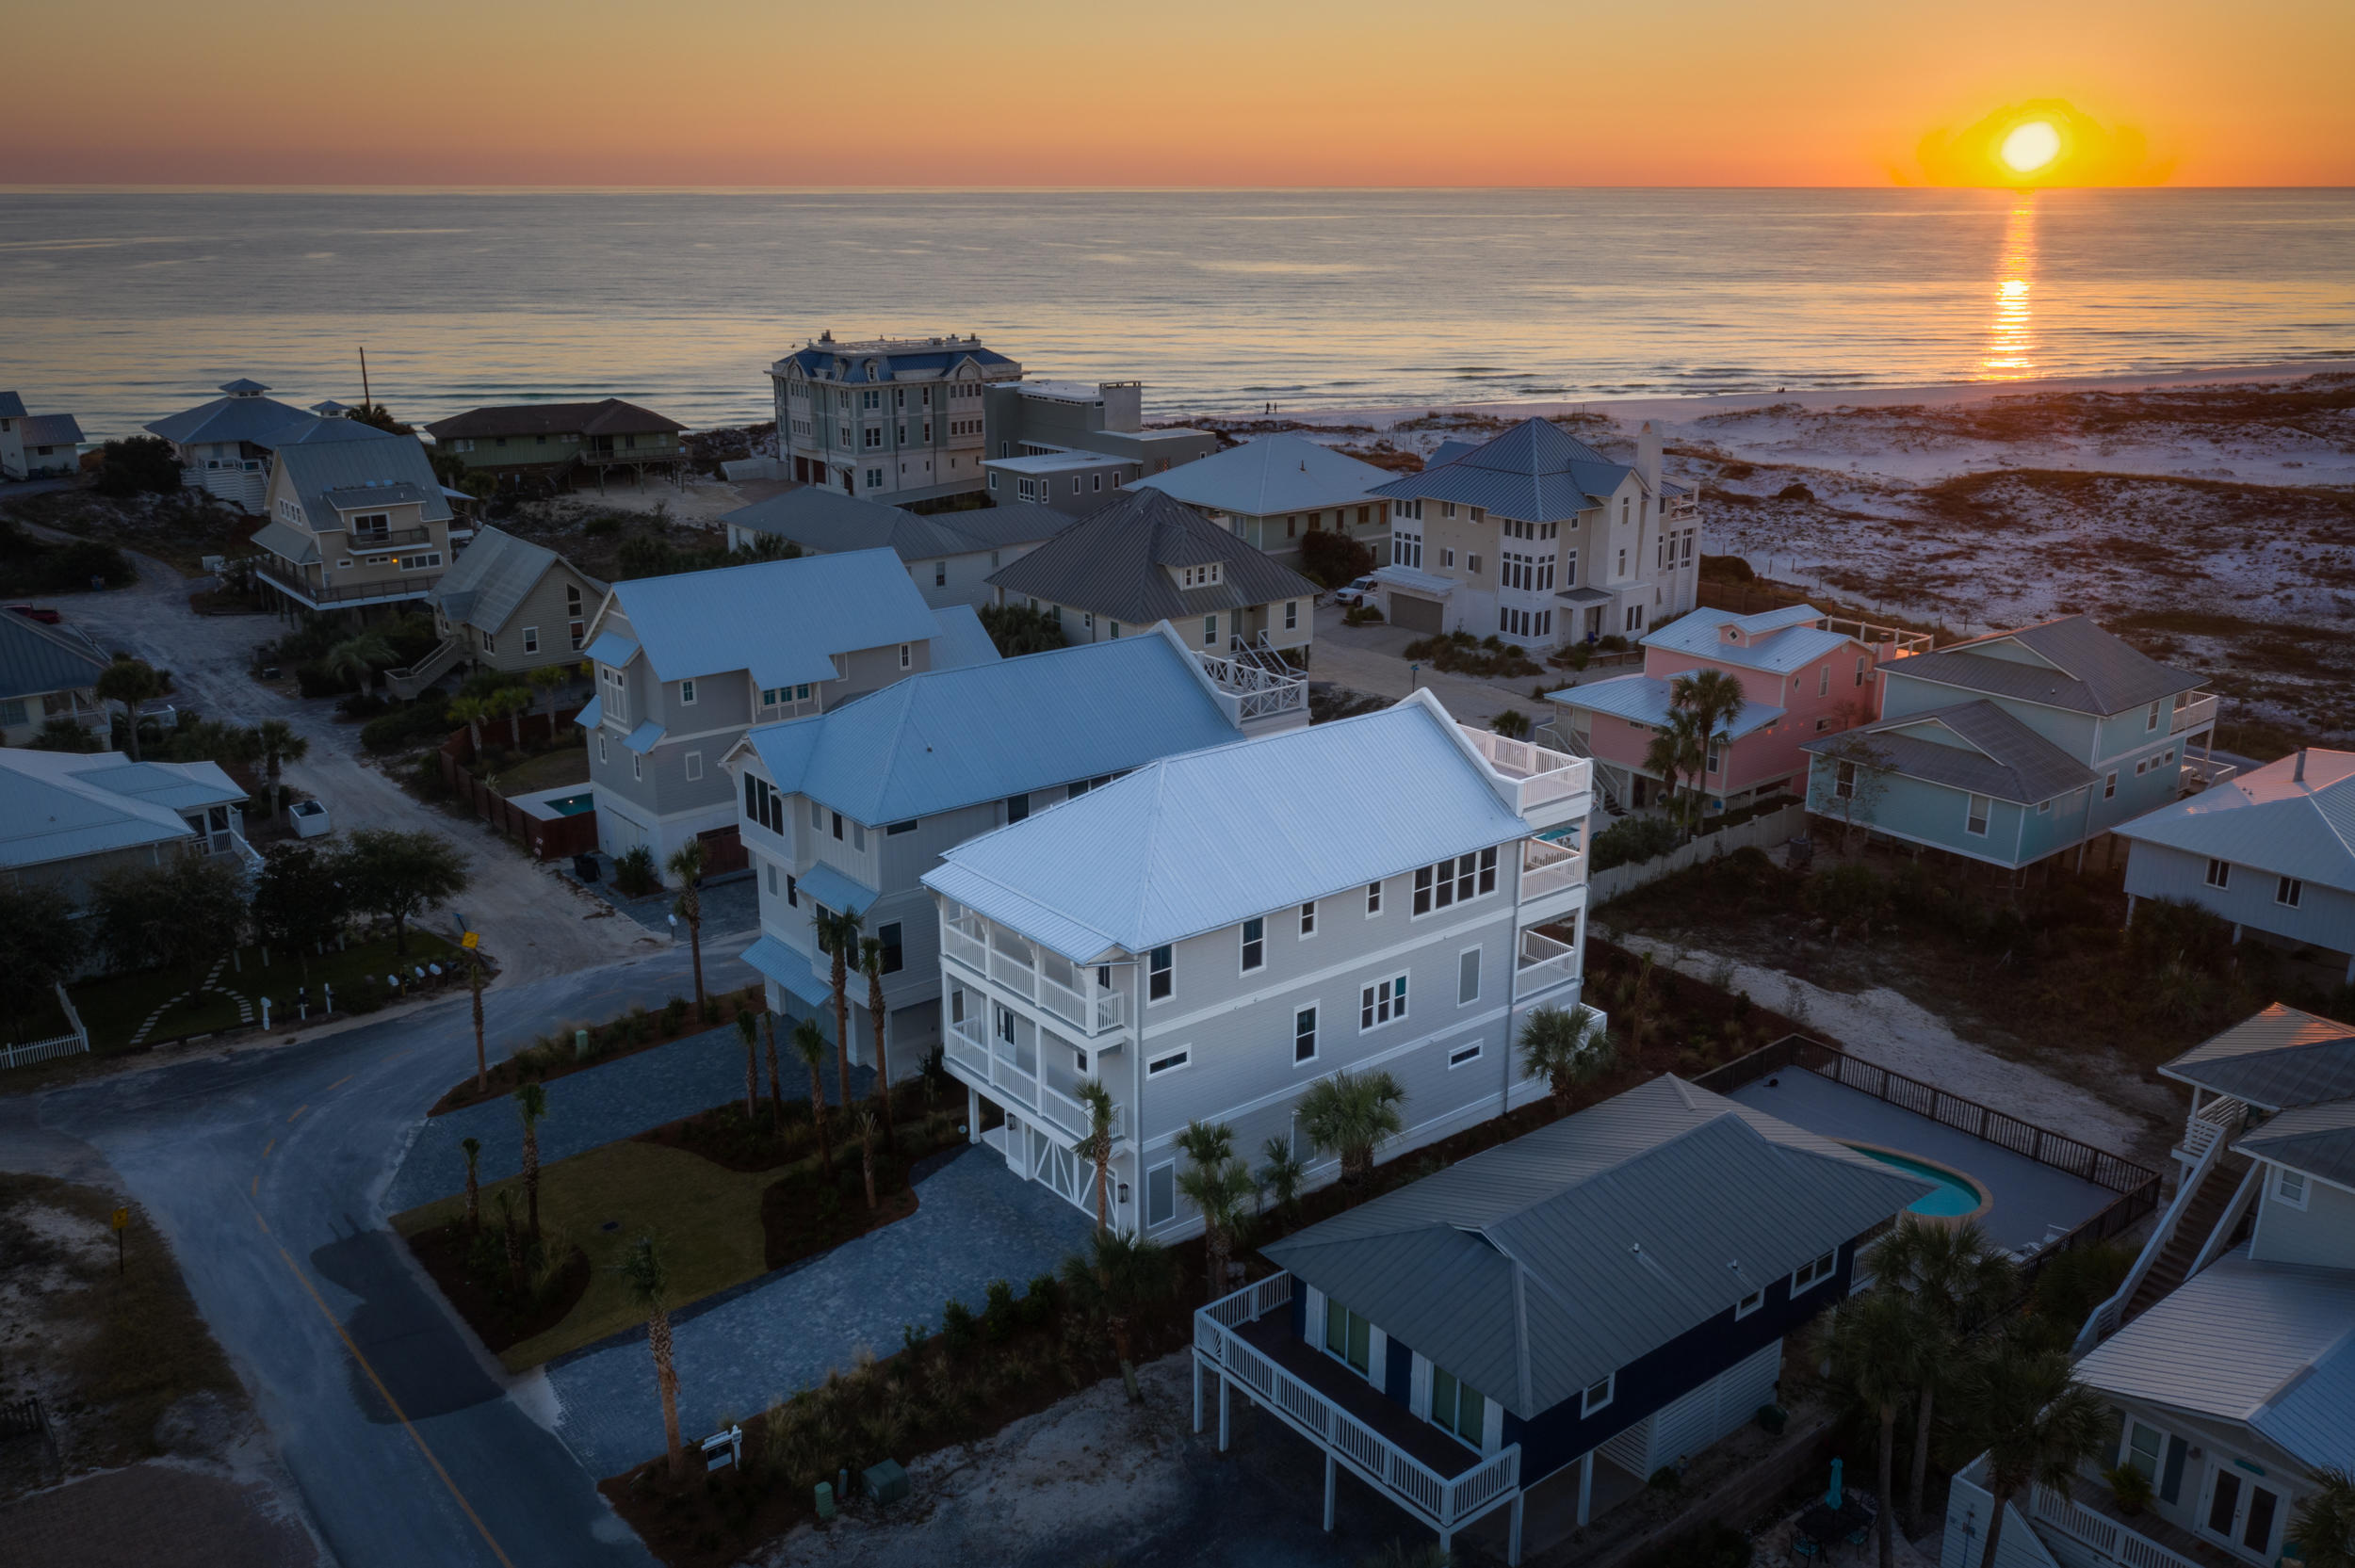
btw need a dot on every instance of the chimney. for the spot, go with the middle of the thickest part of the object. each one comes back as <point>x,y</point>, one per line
<point>1647,456</point>
<point>2298,769</point>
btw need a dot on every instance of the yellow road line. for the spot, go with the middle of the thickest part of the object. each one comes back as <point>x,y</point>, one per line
<point>394,1404</point>
<point>259,1220</point>
<point>340,1082</point>
<point>255,1191</point>
<point>268,1147</point>
<point>299,1110</point>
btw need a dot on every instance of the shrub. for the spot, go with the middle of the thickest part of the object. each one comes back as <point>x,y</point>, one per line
<point>421,722</point>
<point>634,872</point>
<point>1361,615</point>
<point>957,1325</point>
<point>1795,492</point>
<point>139,465</point>
<point>1333,559</point>
<point>1632,840</point>
<point>360,704</point>
<point>1512,723</point>
<point>998,1314</point>
<point>1018,629</point>
<point>674,1015</point>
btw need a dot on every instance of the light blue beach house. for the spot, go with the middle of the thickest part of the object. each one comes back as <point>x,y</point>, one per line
<point>2017,746</point>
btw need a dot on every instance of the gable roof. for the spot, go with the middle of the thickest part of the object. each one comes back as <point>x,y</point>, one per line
<point>1191,843</point>
<point>2275,1059</point>
<point>1773,641</point>
<point>494,575</point>
<point>2079,667</point>
<point>52,429</point>
<point>61,805</point>
<point>2006,760</point>
<point>239,416</point>
<point>2265,1344</point>
<point>2317,1139</point>
<point>1270,474</point>
<point>329,475</point>
<point>960,640</point>
<point>2271,818</point>
<point>606,416</point>
<point>1115,562</point>
<point>36,659</point>
<point>12,406</point>
<point>1534,1269</point>
<point>308,431</point>
<point>951,738</point>
<point>1644,700</point>
<point>1534,473</point>
<point>829,521</point>
<point>784,620</point>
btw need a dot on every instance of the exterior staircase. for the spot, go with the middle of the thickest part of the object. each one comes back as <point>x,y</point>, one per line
<point>2190,1237</point>
<point>406,683</point>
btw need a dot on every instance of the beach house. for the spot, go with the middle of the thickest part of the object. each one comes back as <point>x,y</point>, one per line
<point>223,446</point>
<point>896,418</point>
<point>2272,850</point>
<point>356,521</point>
<point>1273,491</point>
<point>1573,1310</point>
<point>685,664</point>
<point>506,604</point>
<point>949,555</point>
<point>46,672</point>
<point>552,440</point>
<point>1216,931</point>
<point>2229,1353</point>
<point>846,810</point>
<point>1801,673</point>
<point>1072,444</point>
<point>1538,538</point>
<point>2016,745</point>
<point>37,446</point>
<point>1148,557</point>
<point>67,819</point>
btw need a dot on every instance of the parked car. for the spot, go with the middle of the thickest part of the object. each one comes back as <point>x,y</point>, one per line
<point>41,613</point>
<point>1358,592</point>
<point>310,818</point>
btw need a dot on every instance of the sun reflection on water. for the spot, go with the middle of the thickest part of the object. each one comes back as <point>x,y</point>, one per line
<point>2009,344</point>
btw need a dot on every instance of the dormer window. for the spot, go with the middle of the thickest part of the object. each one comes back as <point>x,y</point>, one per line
<point>1201,576</point>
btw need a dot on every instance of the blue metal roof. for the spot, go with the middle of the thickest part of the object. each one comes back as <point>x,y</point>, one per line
<point>1773,641</point>
<point>784,620</point>
<point>789,969</point>
<point>36,659</point>
<point>591,713</point>
<point>960,640</point>
<point>1534,473</point>
<point>1644,700</point>
<point>250,418</point>
<point>951,738</point>
<point>63,805</point>
<point>835,891</point>
<point>1192,843</point>
<point>644,738</point>
<point>611,647</point>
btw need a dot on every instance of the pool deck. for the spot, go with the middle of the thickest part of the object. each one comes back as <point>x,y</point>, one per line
<point>2029,1201</point>
<point>541,802</point>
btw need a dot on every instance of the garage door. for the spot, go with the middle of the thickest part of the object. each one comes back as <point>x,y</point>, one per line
<point>1414,614</point>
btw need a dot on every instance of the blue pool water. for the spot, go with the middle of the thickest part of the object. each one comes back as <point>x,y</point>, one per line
<point>573,805</point>
<point>1954,1198</point>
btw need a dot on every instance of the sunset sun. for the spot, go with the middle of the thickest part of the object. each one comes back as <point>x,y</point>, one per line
<point>2030,147</point>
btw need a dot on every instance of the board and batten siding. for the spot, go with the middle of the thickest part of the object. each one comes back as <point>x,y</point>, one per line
<point>2324,916</point>
<point>2322,1233</point>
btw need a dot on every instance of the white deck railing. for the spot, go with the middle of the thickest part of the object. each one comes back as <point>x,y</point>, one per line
<point>2106,1535</point>
<point>1089,1007</point>
<point>1447,1504</point>
<point>968,1055</point>
<point>1542,773</point>
<point>1548,868</point>
<point>2218,1120</point>
<point>1542,961</point>
<point>1260,691</point>
<point>2199,711</point>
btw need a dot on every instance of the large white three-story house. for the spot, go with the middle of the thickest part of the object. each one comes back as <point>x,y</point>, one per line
<point>1217,931</point>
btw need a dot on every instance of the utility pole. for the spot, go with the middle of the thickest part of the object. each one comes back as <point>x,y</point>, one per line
<point>366,401</point>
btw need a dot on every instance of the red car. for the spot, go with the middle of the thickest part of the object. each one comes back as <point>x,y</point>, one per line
<point>41,613</point>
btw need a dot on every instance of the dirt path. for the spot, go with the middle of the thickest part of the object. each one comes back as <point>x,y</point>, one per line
<point>1889,1031</point>
<point>535,921</point>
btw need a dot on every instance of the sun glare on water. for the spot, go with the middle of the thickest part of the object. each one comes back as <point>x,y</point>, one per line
<point>2030,147</point>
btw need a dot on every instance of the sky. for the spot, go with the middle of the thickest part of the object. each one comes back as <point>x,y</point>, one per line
<point>1188,92</point>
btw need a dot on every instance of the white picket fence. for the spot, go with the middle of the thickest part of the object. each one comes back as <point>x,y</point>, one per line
<point>1762,833</point>
<point>44,1050</point>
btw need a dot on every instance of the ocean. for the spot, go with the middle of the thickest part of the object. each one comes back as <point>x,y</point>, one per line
<point>123,306</point>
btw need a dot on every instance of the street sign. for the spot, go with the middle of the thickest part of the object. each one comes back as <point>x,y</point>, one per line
<point>471,940</point>
<point>122,1217</point>
<point>121,1220</point>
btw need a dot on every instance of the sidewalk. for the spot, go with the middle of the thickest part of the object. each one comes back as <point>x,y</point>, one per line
<point>1367,659</point>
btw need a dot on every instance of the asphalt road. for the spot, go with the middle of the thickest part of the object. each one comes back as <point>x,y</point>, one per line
<point>266,1168</point>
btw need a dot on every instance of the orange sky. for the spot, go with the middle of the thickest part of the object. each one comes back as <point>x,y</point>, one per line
<point>1198,93</point>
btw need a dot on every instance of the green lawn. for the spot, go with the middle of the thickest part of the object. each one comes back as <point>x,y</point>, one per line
<point>113,1007</point>
<point>554,769</point>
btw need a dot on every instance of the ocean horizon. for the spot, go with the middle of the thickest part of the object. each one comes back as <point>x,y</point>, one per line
<point>121,307</point>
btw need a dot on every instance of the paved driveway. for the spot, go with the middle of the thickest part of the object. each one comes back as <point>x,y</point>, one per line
<point>1369,659</point>
<point>976,1221</point>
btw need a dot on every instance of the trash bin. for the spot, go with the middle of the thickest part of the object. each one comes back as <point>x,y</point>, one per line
<point>886,1482</point>
<point>585,868</point>
<point>1773,1418</point>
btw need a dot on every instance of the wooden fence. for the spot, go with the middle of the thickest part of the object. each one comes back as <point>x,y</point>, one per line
<point>545,837</point>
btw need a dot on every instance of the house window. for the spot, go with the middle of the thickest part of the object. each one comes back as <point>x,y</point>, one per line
<point>874,479</point>
<point>1472,564</point>
<point>2289,1187</point>
<point>2109,785</point>
<point>793,897</point>
<point>637,766</point>
<point>694,761</point>
<point>575,631</point>
<point>686,694</point>
<point>1157,975</point>
<point>1975,821</point>
<point>2288,891</point>
<point>1382,1002</point>
<point>1304,1035</point>
<point>906,827</point>
<point>490,643</point>
<point>1210,631</point>
<point>2141,1450</point>
<point>1292,615</point>
<point>1406,549</point>
<point>1309,919</point>
<point>940,574</point>
<point>1861,669</point>
<point>894,949</point>
<point>1348,1337</point>
<point>1161,1195</point>
<point>1253,945</point>
<point>1168,1061</point>
<point>837,824</point>
<point>1748,1304</point>
<point>601,746</point>
<point>1464,1054</point>
<point>1373,897</point>
<point>1017,807</point>
<point>1455,880</point>
<point>2219,873</point>
<point>772,877</point>
<point>1456,1408</point>
<point>1598,1395</point>
<point>1809,1275</point>
<point>907,655</point>
<point>1468,977</point>
<point>2150,719</point>
<point>531,640</point>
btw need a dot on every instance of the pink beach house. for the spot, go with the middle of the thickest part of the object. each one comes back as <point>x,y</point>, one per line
<point>1803,673</point>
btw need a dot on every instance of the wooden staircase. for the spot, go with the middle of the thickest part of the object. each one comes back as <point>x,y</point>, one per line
<point>2199,1223</point>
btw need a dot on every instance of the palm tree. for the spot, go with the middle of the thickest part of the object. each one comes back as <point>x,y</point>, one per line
<point>548,679</point>
<point>1566,1047</point>
<point>687,864</point>
<point>1349,1114</point>
<point>358,658</point>
<point>1879,1360</point>
<point>810,1042</point>
<point>838,934</point>
<point>777,1088</point>
<point>1122,1276</point>
<point>531,1103</point>
<point>472,1149</point>
<point>130,682</point>
<point>1097,1146</point>
<point>1677,750</point>
<point>509,703</point>
<point>1219,1186</point>
<point>474,986</point>
<point>871,960</point>
<point>649,1285</point>
<point>514,1241</point>
<point>864,1125</point>
<point>471,712</point>
<point>280,745</point>
<point>748,1027</point>
<point>1961,1284</point>
<point>1282,1174</point>
<point>2036,1421</point>
<point>2324,1525</point>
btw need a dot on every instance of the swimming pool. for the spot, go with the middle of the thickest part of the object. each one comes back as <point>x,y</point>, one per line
<point>572,805</point>
<point>1956,1195</point>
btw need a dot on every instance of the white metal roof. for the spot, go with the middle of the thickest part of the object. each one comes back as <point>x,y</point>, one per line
<point>61,805</point>
<point>1775,642</point>
<point>784,619</point>
<point>1644,700</point>
<point>1273,474</point>
<point>2295,818</point>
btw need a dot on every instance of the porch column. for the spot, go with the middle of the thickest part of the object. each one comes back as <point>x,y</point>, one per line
<point>1197,1393</point>
<point>1221,1410</point>
<point>1586,1486</point>
<point>1329,1475</point>
<point>972,1114</point>
<point>1513,1535</point>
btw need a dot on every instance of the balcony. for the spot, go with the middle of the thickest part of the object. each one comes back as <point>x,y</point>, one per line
<point>1436,1479</point>
<point>2193,715</point>
<point>1051,982</point>
<point>1262,686</point>
<point>388,539</point>
<point>2092,1520</point>
<point>1541,964</point>
<point>1548,867</point>
<point>1887,642</point>
<point>313,596</point>
<point>997,1073</point>
<point>1545,776</point>
<point>2220,1120</point>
